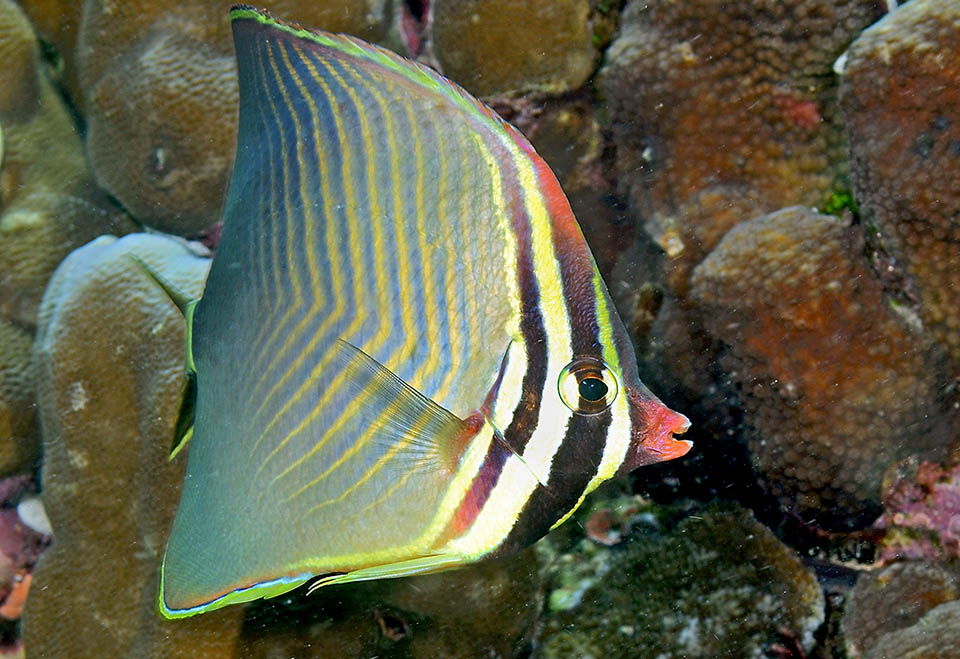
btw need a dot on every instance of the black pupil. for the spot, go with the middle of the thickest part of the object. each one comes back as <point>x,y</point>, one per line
<point>592,389</point>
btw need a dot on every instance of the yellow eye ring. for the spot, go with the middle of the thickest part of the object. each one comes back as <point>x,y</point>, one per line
<point>587,386</point>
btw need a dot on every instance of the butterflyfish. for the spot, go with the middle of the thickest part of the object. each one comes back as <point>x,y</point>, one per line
<point>404,359</point>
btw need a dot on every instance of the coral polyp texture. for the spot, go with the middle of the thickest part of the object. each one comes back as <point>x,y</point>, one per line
<point>48,206</point>
<point>507,47</point>
<point>724,111</point>
<point>109,359</point>
<point>900,91</point>
<point>160,95</point>
<point>834,384</point>
<point>904,610</point>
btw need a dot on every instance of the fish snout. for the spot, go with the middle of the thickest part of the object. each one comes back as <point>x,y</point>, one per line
<point>654,427</point>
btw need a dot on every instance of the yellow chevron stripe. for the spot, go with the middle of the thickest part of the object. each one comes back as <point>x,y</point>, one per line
<point>406,281</point>
<point>281,324</point>
<point>359,317</point>
<point>310,220</point>
<point>447,242</point>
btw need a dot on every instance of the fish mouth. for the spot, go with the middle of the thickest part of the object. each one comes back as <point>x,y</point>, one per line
<point>654,438</point>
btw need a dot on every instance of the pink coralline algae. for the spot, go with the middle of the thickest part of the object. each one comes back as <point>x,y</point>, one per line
<point>922,515</point>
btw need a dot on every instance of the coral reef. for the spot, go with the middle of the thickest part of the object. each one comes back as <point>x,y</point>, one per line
<point>835,385</point>
<point>48,206</point>
<point>160,95</point>
<point>723,112</point>
<point>900,91</point>
<point>818,356</point>
<point>885,604</point>
<point>716,584</point>
<point>48,201</point>
<point>494,48</point>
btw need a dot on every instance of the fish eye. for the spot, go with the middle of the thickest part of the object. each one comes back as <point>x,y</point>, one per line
<point>587,386</point>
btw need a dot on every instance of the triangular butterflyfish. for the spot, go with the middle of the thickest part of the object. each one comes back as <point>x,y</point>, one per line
<point>404,359</point>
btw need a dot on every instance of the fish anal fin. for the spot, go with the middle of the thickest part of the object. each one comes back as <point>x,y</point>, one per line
<point>406,568</point>
<point>417,431</point>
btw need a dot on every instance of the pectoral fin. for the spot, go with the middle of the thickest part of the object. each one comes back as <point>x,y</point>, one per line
<point>416,430</point>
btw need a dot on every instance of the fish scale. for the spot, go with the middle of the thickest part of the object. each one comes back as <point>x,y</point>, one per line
<point>399,292</point>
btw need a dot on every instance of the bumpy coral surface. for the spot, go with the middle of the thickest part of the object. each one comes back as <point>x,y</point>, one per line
<point>724,111</point>
<point>901,94</point>
<point>19,444</point>
<point>503,46</point>
<point>717,584</point>
<point>835,385</point>
<point>48,206</point>
<point>160,88</point>
<point>48,202</point>
<point>897,598</point>
<point>935,636</point>
<point>110,360</point>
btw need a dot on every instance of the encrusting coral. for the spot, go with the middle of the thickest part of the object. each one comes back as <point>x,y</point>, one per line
<point>900,91</point>
<point>835,385</point>
<point>721,112</point>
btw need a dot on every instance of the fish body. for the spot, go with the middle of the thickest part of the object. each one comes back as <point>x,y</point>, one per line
<point>404,359</point>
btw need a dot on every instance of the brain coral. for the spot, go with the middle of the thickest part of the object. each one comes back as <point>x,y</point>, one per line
<point>900,91</point>
<point>835,385</point>
<point>161,97</point>
<point>724,111</point>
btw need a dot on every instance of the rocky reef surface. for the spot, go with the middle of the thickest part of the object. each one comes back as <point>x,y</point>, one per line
<point>770,189</point>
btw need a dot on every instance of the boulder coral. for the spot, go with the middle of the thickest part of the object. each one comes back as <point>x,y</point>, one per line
<point>900,91</point>
<point>110,365</point>
<point>885,604</point>
<point>721,112</point>
<point>511,46</point>
<point>835,385</point>
<point>48,206</point>
<point>160,96</point>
